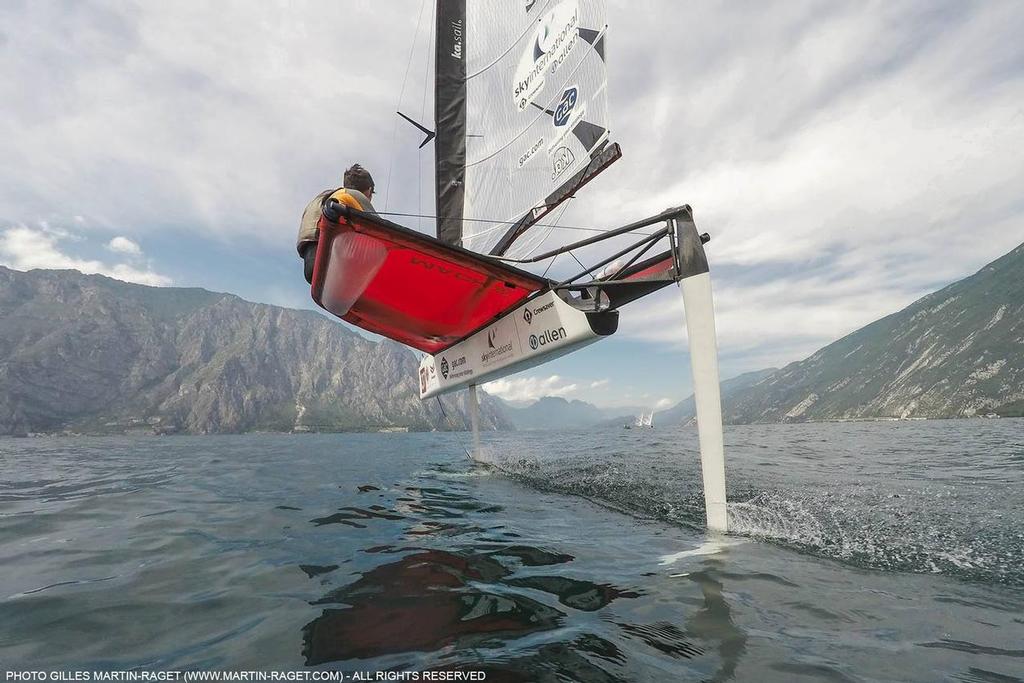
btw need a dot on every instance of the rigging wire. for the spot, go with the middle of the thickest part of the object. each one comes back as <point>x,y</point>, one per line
<point>423,111</point>
<point>577,260</point>
<point>401,94</point>
<point>488,220</point>
<point>553,259</point>
<point>531,247</point>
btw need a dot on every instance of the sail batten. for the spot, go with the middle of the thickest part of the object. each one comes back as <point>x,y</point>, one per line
<point>528,119</point>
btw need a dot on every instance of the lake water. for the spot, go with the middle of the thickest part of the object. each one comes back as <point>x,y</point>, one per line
<point>861,552</point>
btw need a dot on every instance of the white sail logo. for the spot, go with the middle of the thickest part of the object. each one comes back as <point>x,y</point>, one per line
<point>562,160</point>
<point>548,46</point>
<point>528,154</point>
<point>457,39</point>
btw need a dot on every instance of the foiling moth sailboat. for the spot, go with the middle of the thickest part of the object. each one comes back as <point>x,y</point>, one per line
<point>521,117</point>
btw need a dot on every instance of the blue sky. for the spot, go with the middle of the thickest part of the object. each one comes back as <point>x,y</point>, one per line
<point>847,158</point>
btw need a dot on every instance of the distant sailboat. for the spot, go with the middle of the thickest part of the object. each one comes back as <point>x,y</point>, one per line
<point>642,420</point>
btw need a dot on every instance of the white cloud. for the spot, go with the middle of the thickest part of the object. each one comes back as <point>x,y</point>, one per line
<point>869,161</point>
<point>123,245</point>
<point>847,158</point>
<point>24,248</point>
<point>153,118</point>
<point>530,388</point>
<point>664,403</point>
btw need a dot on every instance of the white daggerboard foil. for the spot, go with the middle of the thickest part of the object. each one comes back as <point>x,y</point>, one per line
<point>542,329</point>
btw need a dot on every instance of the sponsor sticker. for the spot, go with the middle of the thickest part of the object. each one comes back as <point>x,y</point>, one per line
<point>569,111</point>
<point>561,161</point>
<point>547,337</point>
<point>565,106</point>
<point>556,35</point>
<point>499,347</point>
<point>456,33</point>
<point>459,368</point>
<point>528,154</point>
<point>445,271</point>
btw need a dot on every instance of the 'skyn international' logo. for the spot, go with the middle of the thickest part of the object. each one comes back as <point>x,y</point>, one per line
<point>527,316</point>
<point>444,367</point>
<point>496,350</point>
<point>565,106</point>
<point>553,41</point>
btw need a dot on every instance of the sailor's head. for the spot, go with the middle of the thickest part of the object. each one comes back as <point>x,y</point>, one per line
<point>358,178</point>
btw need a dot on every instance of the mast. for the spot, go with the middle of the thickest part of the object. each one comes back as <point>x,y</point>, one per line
<point>450,119</point>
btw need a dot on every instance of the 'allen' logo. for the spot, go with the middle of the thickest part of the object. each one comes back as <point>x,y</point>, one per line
<point>490,338</point>
<point>444,367</point>
<point>547,337</point>
<point>527,316</point>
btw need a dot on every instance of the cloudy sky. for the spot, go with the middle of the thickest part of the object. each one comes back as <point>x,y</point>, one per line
<point>847,158</point>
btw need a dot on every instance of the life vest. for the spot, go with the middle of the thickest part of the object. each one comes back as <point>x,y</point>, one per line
<point>311,214</point>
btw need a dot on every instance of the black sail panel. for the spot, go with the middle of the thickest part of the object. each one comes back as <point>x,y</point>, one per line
<point>450,119</point>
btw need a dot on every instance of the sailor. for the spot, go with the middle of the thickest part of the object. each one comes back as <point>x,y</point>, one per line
<point>356,192</point>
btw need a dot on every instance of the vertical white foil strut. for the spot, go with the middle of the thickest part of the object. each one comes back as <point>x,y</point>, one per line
<point>700,328</point>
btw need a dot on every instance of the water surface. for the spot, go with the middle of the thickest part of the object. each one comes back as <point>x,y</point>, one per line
<point>862,552</point>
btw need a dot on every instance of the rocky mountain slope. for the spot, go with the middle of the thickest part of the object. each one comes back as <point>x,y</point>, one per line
<point>958,352</point>
<point>685,412</point>
<point>90,354</point>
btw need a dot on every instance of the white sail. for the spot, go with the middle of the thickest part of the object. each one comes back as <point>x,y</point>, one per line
<point>529,122</point>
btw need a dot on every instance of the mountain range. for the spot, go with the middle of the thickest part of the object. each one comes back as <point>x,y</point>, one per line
<point>88,354</point>
<point>958,352</point>
<point>85,353</point>
<point>555,412</point>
